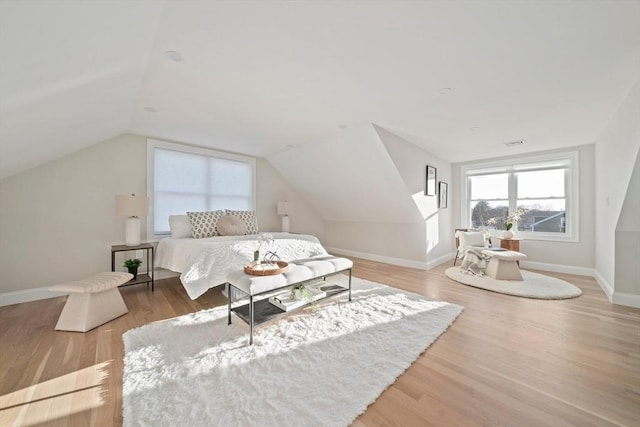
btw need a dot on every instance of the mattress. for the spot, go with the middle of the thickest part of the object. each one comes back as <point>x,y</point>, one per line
<point>206,263</point>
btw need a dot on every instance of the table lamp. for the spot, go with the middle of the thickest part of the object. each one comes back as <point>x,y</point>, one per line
<point>133,207</point>
<point>283,209</point>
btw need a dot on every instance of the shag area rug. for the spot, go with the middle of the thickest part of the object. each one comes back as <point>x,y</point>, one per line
<point>534,285</point>
<point>319,368</point>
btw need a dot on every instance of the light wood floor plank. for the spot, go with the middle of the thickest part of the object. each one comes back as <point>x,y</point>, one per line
<point>506,361</point>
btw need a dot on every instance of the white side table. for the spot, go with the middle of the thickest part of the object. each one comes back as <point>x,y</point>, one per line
<point>503,264</point>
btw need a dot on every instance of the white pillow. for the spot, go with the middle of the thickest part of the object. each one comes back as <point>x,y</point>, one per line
<point>471,238</point>
<point>231,225</point>
<point>249,217</point>
<point>180,226</point>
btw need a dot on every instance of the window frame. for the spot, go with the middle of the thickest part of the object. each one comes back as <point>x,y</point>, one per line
<point>152,144</point>
<point>569,160</point>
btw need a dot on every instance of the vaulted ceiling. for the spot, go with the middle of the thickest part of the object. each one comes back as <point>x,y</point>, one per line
<point>456,78</point>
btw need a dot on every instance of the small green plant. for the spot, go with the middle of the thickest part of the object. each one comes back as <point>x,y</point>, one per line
<point>304,293</point>
<point>132,263</point>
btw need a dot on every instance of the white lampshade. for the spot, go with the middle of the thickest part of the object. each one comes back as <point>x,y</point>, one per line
<point>283,208</point>
<point>133,207</point>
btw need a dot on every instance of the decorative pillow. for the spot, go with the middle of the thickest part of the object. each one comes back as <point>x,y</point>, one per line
<point>203,224</point>
<point>249,217</point>
<point>231,225</point>
<point>180,226</point>
<point>472,238</point>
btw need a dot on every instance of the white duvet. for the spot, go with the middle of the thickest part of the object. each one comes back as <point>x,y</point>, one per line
<point>205,263</point>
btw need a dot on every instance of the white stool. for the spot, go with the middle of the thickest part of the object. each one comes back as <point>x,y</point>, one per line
<point>92,301</point>
<point>503,265</point>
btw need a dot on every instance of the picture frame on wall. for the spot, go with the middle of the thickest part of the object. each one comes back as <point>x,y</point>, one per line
<point>430,187</point>
<point>443,189</point>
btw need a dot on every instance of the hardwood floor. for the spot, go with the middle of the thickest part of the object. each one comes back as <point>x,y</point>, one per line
<point>506,361</point>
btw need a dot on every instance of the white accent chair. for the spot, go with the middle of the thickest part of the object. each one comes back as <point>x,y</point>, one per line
<point>92,301</point>
<point>466,237</point>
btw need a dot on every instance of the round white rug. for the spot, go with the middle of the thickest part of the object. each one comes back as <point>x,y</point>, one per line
<point>534,285</point>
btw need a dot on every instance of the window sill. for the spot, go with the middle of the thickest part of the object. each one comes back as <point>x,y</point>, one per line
<point>542,237</point>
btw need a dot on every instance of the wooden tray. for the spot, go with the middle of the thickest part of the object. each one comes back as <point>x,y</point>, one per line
<point>258,269</point>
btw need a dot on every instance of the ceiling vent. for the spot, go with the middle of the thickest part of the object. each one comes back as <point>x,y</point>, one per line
<point>514,143</point>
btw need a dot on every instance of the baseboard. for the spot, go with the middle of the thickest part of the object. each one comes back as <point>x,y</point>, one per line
<point>381,258</point>
<point>558,268</point>
<point>440,260</point>
<point>628,300</point>
<point>604,285</point>
<point>618,298</point>
<point>27,295</point>
<point>17,297</point>
<point>163,273</point>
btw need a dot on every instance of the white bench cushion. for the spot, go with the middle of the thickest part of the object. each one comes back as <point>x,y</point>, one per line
<point>505,255</point>
<point>98,283</point>
<point>339,263</point>
<point>298,271</point>
<point>254,285</point>
<point>319,268</point>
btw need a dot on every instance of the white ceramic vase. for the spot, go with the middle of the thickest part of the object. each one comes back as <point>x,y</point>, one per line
<point>507,235</point>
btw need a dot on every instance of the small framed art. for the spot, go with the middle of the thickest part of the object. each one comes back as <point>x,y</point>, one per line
<point>430,187</point>
<point>443,189</point>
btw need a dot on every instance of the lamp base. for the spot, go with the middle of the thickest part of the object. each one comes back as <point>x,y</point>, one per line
<point>285,223</point>
<point>132,231</point>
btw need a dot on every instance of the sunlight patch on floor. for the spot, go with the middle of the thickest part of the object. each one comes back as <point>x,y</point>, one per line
<point>78,391</point>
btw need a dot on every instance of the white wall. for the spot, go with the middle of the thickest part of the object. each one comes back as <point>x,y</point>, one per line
<point>575,257</point>
<point>368,186</point>
<point>57,221</point>
<point>616,153</point>
<point>273,188</point>
<point>410,160</point>
<point>348,177</point>
<point>627,275</point>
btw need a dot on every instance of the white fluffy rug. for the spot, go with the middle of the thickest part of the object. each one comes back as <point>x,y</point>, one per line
<point>307,369</point>
<point>534,285</point>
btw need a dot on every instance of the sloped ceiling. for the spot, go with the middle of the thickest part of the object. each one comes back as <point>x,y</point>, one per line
<point>70,75</point>
<point>260,76</point>
<point>349,177</point>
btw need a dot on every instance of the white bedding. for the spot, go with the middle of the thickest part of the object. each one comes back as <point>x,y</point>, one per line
<point>205,263</point>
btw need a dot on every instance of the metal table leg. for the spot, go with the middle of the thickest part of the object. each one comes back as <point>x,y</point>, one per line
<point>229,303</point>
<point>251,310</point>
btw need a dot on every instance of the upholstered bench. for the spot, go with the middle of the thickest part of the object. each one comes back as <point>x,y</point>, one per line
<point>503,264</point>
<point>298,272</point>
<point>92,301</point>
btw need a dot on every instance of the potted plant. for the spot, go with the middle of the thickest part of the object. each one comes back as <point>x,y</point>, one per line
<point>300,292</point>
<point>132,265</point>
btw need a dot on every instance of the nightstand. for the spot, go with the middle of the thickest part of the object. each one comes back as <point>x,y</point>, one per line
<point>511,245</point>
<point>142,278</point>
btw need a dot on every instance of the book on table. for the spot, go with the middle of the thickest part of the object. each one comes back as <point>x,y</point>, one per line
<point>284,301</point>
<point>330,288</point>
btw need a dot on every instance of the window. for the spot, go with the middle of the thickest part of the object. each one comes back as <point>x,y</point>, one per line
<point>543,190</point>
<point>187,179</point>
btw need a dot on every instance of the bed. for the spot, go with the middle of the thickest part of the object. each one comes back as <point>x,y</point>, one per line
<point>206,263</point>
